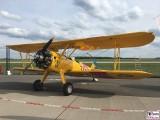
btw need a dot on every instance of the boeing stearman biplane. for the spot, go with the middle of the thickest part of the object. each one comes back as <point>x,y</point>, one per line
<point>48,59</point>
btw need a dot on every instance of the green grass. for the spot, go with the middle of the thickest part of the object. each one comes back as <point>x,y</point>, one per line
<point>12,65</point>
<point>153,68</point>
<point>123,60</point>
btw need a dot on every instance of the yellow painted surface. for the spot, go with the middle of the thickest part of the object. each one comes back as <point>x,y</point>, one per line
<point>74,68</point>
<point>115,74</point>
<point>64,65</point>
<point>102,42</point>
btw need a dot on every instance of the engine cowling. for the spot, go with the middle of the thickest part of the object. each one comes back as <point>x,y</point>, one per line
<point>43,59</point>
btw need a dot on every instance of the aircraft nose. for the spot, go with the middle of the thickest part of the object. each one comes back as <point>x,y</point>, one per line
<point>43,60</point>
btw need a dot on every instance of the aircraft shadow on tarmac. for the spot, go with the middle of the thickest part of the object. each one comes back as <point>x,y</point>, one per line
<point>145,87</point>
<point>148,90</point>
<point>54,88</point>
<point>26,118</point>
<point>50,89</point>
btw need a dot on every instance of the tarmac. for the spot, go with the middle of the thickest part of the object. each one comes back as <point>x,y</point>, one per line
<point>106,99</point>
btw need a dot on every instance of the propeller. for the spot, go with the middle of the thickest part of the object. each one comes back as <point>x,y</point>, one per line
<point>45,46</point>
<point>40,54</point>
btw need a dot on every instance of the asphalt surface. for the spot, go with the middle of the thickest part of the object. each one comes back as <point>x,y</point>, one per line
<point>104,100</point>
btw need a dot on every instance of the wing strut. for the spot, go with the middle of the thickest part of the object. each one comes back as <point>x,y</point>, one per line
<point>116,57</point>
<point>23,64</point>
<point>65,49</point>
<point>71,53</point>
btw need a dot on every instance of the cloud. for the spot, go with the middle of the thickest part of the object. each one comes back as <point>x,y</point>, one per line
<point>42,23</point>
<point>100,9</point>
<point>65,30</point>
<point>14,32</point>
<point>10,16</point>
<point>156,32</point>
<point>56,31</point>
<point>81,25</point>
<point>157,19</point>
<point>4,26</point>
<point>130,14</point>
<point>156,42</point>
<point>2,46</point>
<point>135,13</point>
<point>108,10</point>
<point>112,28</point>
<point>80,21</point>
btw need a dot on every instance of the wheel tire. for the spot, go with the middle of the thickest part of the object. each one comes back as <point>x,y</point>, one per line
<point>67,89</point>
<point>37,85</point>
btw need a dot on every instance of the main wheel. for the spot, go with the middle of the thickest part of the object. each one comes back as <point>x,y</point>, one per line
<point>67,89</point>
<point>37,85</point>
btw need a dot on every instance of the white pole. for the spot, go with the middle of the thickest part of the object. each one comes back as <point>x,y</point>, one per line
<point>157,22</point>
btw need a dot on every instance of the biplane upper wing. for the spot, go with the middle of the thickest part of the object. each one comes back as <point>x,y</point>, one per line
<point>112,74</point>
<point>104,42</point>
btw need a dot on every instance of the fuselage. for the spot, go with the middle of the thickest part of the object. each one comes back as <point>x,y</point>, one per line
<point>60,62</point>
<point>52,61</point>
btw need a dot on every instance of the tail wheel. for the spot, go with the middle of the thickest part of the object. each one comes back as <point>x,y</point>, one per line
<point>37,85</point>
<point>95,80</point>
<point>67,89</point>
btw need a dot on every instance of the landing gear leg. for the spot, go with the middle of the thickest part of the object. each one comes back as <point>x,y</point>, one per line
<point>38,84</point>
<point>67,86</point>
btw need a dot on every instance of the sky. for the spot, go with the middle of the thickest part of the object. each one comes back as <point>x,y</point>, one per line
<point>30,21</point>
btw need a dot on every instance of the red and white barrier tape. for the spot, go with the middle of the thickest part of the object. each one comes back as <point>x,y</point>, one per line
<point>74,107</point>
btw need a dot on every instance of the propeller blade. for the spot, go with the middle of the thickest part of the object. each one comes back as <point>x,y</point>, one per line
<point>27,67</point>
<point>47,45</point>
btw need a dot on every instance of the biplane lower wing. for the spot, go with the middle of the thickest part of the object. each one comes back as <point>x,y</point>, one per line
<point>97,73</point>
<point>112,74</point>
<point>29,69</point>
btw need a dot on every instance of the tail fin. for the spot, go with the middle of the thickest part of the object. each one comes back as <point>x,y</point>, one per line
<point>94,64</point>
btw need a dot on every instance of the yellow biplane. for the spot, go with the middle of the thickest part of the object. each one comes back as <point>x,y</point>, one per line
<point>48,60</point>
